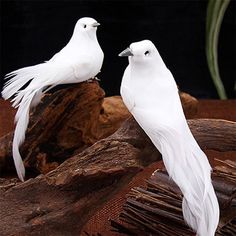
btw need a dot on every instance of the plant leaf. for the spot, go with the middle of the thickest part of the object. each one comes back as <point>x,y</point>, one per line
<point>215,14</point>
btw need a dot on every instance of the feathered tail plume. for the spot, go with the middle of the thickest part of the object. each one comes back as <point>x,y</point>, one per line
<point>42,75</point>
<point>188,166</point>
<point>23,99</point>
<point>22,120</point>
<point>18,79</point>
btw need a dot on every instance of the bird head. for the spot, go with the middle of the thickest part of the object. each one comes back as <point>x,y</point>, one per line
<point>86,26</point>
<point>143,51</point>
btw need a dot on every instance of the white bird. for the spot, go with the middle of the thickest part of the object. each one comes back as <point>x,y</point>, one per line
<point>150,93</point>
<point>80,60</point>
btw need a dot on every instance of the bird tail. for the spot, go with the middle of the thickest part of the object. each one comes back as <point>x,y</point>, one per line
<point>24,99</point>
<point>19,78</point>
<point>22,120</point>
<point>188,166</point>
<point>39,77</point>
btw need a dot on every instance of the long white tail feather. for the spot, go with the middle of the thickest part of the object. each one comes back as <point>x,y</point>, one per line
<point>40,77</point>
<point>45,74</point>
<point>192,174</point>
<point>37,98</point>
<point>189,167</point>
<point>17,99</point>
<point>22,120</point>
<point>22,99</point>
<point>19,78</point>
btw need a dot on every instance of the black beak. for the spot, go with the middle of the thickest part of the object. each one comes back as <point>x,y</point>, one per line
<point>126,53</point>
<point>96,24</point>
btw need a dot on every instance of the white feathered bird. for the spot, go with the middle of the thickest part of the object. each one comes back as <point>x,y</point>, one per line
<point>80,60</point>
<point>150,93</point>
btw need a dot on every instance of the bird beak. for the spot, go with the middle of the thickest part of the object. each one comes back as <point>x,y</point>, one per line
<point>96,24</point>
<point>126,53</point>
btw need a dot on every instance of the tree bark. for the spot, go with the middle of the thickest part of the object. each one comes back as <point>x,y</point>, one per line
<point>61,202</point>
<point>73,126</point>
<point>68,121</point>
<point>157,208</point>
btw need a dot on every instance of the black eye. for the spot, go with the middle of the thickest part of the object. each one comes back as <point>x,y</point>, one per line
<point>85,26</point>
<point>146,53</point>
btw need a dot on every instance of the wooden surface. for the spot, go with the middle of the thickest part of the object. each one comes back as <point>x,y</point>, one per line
<point>206,109</point>
<point>72,193</point>
<point>71,119</point>
<point>99,222</point>
<point>7,114</point>
<point>156,209</point>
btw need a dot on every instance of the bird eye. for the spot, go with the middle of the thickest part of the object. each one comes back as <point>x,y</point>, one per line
<point>146,53</point>
<point>85,26</point>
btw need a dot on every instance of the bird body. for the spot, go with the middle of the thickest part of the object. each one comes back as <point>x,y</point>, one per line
<point>80,60</point>
<point>150,93</point>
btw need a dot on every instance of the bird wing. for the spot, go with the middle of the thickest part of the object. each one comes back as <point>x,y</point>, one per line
<point>126,93</point>
<point>128,98</point>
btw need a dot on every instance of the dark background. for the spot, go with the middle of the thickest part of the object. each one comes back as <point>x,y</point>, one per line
<point>33,31</point>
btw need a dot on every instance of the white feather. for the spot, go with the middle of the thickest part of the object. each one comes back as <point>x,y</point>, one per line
<point>19,79</point>
<point>22,120</point>
<point>80,60</point>
<point>150,93</point>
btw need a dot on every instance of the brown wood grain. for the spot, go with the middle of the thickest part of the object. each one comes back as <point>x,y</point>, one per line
<point>78,187</point>
<point>61,201</point>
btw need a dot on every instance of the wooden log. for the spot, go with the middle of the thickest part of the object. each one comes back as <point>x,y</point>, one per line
<point>68,121</point>
<point>60,202</point>
<point>215,134</point>
<point>157,209</point>
<point>190,105</point>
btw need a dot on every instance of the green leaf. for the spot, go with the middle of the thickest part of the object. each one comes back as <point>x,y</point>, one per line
<point>215,14</point>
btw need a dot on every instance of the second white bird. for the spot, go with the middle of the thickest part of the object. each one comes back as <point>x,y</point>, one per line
<point>150,93</point>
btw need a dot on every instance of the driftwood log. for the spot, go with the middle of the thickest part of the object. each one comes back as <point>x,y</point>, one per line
<point>68,121</point>
<point>157,208</point>
<point>61,201</point>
